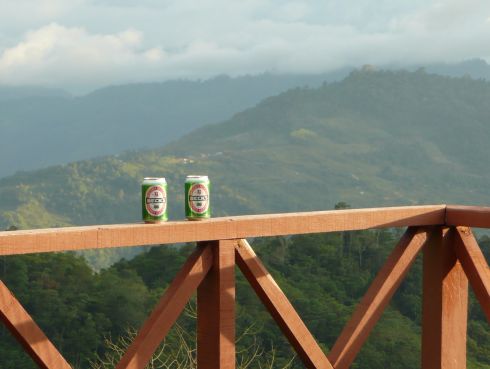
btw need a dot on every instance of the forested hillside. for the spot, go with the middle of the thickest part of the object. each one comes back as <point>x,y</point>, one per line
<point>376,138</point>
<point>323,275</point>
<point>45,126</point>
<point>42,127</point>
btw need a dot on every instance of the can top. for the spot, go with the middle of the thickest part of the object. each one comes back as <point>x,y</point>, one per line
<point>194,178</point>
<point>154,179</point>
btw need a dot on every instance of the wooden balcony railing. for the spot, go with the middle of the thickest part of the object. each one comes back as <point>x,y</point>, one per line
<point>452,257</point>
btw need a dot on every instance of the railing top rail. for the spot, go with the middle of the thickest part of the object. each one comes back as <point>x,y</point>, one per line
<point>470,216</point>
<point>121,235</point>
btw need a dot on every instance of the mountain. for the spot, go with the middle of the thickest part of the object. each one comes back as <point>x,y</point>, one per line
<point>376,138</point>
<point>9,93</point>
<point>474,68</point>
<point>41,127</point>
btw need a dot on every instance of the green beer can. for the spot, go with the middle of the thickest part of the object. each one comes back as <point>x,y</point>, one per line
<point>197,205</point>
<point>154,200</point>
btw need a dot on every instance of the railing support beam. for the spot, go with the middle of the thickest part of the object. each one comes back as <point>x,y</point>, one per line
<point>475,266</point>
<point>167,310</point>
<point>216,310</point>
<point>378,296</point>
<point>280,308</point>
<point>445,305</point>
<point>28,333</point>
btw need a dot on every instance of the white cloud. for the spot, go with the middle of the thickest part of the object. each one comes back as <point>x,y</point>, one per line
<point>88,43</point>
<point>58,55</point>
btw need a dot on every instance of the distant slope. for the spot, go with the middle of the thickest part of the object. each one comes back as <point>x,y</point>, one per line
<point>41,127</point>
<point>8,93</point>
<point>376,138</point>
<point>474,68</point>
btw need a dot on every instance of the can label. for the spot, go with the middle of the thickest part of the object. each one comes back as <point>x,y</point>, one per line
<point>197,198</point>
<point>154,200</point>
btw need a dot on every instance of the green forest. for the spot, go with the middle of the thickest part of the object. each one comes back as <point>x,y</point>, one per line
<point>376,138</point>
<point>91,316</point>
<point>58,128</point>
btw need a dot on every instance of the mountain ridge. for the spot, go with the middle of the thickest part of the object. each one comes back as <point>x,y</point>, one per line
<point>377,138</point>
<point>45,130</point>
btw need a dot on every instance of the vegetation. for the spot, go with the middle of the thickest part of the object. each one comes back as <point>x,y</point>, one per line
<point>376,138</point>
<point>43,127</point>
<point>88,315</point>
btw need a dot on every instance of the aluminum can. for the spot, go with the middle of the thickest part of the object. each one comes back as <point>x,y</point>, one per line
<point>197,198</point>
<point>154,200</point>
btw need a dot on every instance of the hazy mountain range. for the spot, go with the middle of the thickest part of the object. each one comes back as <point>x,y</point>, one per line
<point>40,127</point>
<point>375,138</point>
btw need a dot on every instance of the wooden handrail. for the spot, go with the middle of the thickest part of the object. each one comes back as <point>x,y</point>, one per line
<point>123,235</point>
<point>451,258</point>
<point>469,216</point>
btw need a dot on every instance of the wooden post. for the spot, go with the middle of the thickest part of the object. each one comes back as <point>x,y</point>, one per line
<point>216,310</point>
<point>167,310</point>
<point>445,305</point>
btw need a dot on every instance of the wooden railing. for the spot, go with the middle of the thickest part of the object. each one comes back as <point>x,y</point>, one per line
<point>452,257</point>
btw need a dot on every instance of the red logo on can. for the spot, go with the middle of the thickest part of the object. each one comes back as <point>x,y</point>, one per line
<point>156,200</point>
<point>198,198</point>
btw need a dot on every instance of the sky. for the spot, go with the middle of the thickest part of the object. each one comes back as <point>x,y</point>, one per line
<point>84,44</point>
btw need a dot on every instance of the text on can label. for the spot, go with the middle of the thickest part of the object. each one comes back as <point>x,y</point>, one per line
<point>156,200</point>
<point>198,198</point>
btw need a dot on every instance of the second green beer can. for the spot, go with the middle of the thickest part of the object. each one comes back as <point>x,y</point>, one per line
<point>154,200</point>
<point>197,199</point>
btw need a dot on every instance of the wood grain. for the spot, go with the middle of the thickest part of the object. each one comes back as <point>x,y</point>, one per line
<point>28,333</point>
<point>80,238</point>
<point>216,310</point>
<point>474,265</point>
<point>470,216</point>
<point>377,297</point>
<point>280,308</point>
<point>445,305</point>
<point>168,309</point>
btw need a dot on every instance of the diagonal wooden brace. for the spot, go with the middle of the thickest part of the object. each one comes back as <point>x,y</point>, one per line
<point>28,333</point>
<point>474,265</point>
<point>280,308</point>
<point>168,310</point>
<point>377,297</point>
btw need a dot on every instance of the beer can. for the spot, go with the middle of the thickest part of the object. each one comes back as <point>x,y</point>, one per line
<point>154,200</point>
<point>197,199</point>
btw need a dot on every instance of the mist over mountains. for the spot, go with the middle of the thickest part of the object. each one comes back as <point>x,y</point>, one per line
<point>375,138</point>
<point>41,127</point>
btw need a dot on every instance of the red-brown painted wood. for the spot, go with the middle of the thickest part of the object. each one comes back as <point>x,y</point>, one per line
<point>28,333</point>
<point>168,309</point>
<point>122,235</point>
<point>470,216</point>
<point>216,310</point>
<point>445,305</point>
<point>475,266</point>
<point>379,294</point>
<point>280,308</point>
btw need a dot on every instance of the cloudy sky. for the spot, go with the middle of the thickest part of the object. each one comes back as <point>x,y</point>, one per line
<point>83,44</point>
